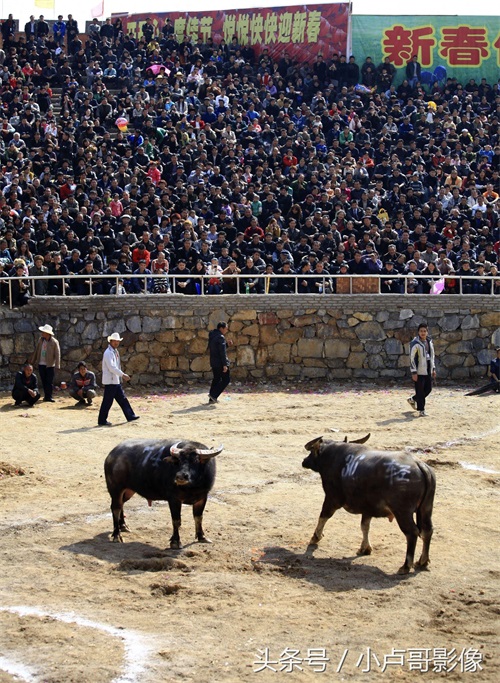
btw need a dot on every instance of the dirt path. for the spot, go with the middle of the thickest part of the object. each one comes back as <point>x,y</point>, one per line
<point>75,607</point>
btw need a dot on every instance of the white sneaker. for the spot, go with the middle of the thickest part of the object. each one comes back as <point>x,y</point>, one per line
<point>411,401</point>
<point>423,413</point>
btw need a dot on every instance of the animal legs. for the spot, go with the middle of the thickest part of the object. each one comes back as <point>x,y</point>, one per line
<point>327,511</point>
<point>127,495</point>
<point>426,534</point>
<point>117,512</point>
<point>424,515</point>
<point>365,548</point>
<point>198,509</point>
<point>410,530</point>
<point>175,511</point>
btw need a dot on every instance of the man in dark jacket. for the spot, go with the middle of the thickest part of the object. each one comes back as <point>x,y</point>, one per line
<point>42,28</point>
<point>494,372</point>
<point>82,387</point>
<point>30,28</point>
<point>413,71</point>
<point>218,361</point>
<point>8,29</point>
<point>25,386</point>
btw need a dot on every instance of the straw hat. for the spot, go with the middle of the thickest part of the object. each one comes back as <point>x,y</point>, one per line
<point>114,337</point>
<point>47,328</point>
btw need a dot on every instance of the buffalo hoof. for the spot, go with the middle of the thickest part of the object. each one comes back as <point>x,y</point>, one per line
<point>116,538</point>
<point>422,566</point>
<point>365,550</point>
<point>175,545</point>
<point>204,539</point>
<point>402,571</point>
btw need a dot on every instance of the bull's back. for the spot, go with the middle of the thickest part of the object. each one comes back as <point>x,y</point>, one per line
<point>380,484</point>
<point>139,465</point>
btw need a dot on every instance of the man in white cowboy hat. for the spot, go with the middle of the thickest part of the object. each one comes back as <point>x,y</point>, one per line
<point>48,357</point>
<point>112,376</point>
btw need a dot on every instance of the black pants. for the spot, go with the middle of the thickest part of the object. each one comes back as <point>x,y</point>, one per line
<point>86,393</point>
<point>47,377</point>
<point>114,392</point>
<point>219,382</point>
<point>20,395</point>
<point>423,387</point>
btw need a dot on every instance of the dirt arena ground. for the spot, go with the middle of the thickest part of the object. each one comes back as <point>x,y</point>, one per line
<point>75,607</point>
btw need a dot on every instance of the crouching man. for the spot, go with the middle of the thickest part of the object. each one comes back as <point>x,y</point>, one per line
<point>82,387</point>
<point>25,386</point>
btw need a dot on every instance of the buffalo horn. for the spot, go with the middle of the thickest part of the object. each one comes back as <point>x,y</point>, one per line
<point>175,451</point>
<point>364,439</point>
<point>207,453</point>
<point>314,442</point>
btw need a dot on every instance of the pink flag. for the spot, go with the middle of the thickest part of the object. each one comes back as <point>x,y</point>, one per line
<point>438,286</point>
<point>98,10</point>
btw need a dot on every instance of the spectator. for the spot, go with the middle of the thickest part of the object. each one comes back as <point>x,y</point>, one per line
<point>19,287</point>
<point>214,275</point>
<point>83,386</point>
<point>289,165</point>
<point>118,288</point>
<point>25,386</point>
<point>390,283</point>
<point>413,71</point>
<point>38,270</point>
<point>56,267</point>
<point>47,355</point>
<point>59,30</point>
<point>8,31</point>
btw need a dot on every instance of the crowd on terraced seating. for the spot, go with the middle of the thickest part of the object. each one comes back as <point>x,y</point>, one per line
<point>231,162</point>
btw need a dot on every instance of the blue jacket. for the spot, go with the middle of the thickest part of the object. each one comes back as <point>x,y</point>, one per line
<point>59,28</point>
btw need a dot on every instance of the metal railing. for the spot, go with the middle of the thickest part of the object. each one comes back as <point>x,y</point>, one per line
<point>263,284</point>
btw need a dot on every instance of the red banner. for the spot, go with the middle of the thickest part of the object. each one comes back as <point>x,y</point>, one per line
<point>303,31</point>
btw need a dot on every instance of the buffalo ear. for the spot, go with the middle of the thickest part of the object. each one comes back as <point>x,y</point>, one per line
<point>364,439</point>
<point>170,459</point>
<point>314,443</point>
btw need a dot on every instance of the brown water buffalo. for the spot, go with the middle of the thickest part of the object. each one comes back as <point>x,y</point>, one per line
<point>172,470</point>
<point>375,484</point>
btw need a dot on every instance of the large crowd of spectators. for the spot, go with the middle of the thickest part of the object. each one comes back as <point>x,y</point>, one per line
<point>236,163</point>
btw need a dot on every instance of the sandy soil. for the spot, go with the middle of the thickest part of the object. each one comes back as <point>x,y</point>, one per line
<point>75,607</point>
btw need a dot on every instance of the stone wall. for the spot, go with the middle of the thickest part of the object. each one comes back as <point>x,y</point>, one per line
<point>298,337</point>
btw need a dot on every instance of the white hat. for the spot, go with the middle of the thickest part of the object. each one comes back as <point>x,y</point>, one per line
<point>114,337</point>
<point>47,328</point>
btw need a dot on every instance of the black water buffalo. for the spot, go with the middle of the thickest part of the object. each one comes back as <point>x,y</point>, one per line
<point>375,484</point>
<point>176,471</point>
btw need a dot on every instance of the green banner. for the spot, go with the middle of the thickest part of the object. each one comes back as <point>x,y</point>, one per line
<point>446,47</point>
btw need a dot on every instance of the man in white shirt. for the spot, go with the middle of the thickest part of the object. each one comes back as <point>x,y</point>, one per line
<point>112,376</point>
<point>480,205</point>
